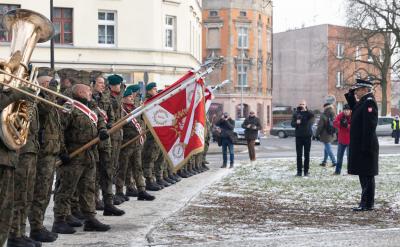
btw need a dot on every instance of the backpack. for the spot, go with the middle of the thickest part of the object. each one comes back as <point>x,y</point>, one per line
<point>329,127</point>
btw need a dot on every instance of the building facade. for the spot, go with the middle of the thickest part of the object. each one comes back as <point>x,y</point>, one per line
<point>156,40</point>
<point>316,62</point>
<point>241,32</point>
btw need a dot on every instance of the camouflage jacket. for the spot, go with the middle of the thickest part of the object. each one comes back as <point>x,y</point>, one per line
<point>32,144</point>
<point>103,101</point>
<point>130,130</point>
<point>117,110</point>
<point>51,132</point>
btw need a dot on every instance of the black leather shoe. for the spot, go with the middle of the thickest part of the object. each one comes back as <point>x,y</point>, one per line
<point>170,181</point>
<point>151,186</point>
<point>43,235</point>
<point>182,174</point>
<point>18,242</point>
<point>298,174</point>
<point>111,210</point>
<point>72,221</point>
<point>323,164</point>
<point>176,177</point>
<point>144,196</point>
<point>94,225</point>
<point>360,209</point>
<point>223,166</point>
<point>162,182</point>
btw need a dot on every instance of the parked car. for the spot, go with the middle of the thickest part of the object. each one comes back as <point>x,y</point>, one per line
<point>239,132</point>
<point>283,129</point>
<point>384,127</point>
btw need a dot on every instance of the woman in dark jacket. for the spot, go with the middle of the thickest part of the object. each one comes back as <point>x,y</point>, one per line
<point>251,126</point>
<point>227,124</point>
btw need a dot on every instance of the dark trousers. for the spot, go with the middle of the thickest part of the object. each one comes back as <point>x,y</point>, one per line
<point>303,143</point>
<point>252,151</point>
<point>367,191</point>
<point>396,136</point>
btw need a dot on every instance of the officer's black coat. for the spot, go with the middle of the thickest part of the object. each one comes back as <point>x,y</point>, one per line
<point>364,146</point>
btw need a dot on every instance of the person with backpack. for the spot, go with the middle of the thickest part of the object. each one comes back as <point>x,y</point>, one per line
<point>342,123</point>
<point>326,133</point>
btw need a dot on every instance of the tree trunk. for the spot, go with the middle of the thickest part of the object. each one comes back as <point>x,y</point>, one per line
<point>384,97</point>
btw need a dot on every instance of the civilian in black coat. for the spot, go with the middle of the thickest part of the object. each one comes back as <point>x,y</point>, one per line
<point>227,124</point>
<point>251,126</point>
<point>364,146</point>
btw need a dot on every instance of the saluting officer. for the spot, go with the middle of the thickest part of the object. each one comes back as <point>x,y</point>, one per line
<point>364,146</point>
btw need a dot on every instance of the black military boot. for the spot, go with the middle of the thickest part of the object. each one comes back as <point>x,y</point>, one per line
<point>205,167</point>
<point>170,181</point>
<point>162,182</point>
<point>176,177</point>
<point>78,214</point>
<point>123,196</point>
<point>29,240</point>
<point>152,186</point>
<point>73,221</point>
<point>99,205</point>
<point>223,166</point>
<point>94,225</point>
<point>231,165</point>
<point>144,196</point>
<point>18,242</point>
<point>43,235</point>
<point>111,210</point>
<point>131,192</point>
<point>182,173</point>
<point>62,227</point>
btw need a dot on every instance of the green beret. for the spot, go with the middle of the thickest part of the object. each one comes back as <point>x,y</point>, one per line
<point>115,79</point>
<point>150,86</point>
<point>135,88</point>
<point>44,71</point>
<point>128,91</point>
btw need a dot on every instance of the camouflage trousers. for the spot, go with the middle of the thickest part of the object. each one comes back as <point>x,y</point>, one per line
<point>115,150</point>
<point>77,179</point>
<point>24,182</point>
<point>130,172</point>
<point>167,169</point>
<point>6,201</point>
<point>45,170</point>
<point>104,172</point>
<point>206,146</point>
<point>153,160</point>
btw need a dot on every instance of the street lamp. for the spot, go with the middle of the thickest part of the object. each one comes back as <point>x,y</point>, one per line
<point>52,39</point>
<point>242,77</point>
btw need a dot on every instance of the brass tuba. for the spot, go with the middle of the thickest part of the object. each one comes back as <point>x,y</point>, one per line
<point>28,28</point>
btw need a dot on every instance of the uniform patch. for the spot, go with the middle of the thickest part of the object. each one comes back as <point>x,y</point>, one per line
<point>369,109</point>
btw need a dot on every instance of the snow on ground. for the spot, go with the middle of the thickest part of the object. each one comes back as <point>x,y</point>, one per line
<point>265,200</point>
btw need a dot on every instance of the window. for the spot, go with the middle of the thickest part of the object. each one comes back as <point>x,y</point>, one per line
<point>339,79</point>
<point>339,106</point>
<point>259,38</point>
<point>4,8</point>
<point>213,38</point>
<point>107,25</point>
<point>243,13</point>
<point>339,50</point>
<point>62,21</point>
<point>243,37</point>
<point>358,53</point>
<point>213,13</point>
<point>170,32</point>
<point>242,75</point>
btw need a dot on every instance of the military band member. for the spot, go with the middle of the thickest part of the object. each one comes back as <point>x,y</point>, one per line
<point>81,126</point>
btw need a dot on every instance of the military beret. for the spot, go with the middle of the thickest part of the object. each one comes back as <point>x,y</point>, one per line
<point>128,91</point>
<point>135,88</point>
<point>150,86</point>
<point>44,71</point>
<point>115,79</point>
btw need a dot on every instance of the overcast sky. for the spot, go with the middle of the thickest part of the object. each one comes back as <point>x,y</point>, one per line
<point>290,14</point>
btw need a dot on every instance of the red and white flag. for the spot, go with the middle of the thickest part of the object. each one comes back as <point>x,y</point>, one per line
<point>208,97</point>
<point>178,123</point>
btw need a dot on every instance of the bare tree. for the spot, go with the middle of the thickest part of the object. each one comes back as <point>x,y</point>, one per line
<point>375,29</point>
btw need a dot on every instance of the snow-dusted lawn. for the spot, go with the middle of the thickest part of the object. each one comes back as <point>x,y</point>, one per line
<point>266,199</point>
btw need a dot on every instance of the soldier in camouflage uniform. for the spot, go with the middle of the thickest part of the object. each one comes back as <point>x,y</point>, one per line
<point>152,155</point>
<point>104,171</point>
<point>206,144</point>
<point>8,163</point>
<point>24,182</point>
<point>114,83</point>
<point>79,173</point>
<point>50,134</point>
<point>131,156</point>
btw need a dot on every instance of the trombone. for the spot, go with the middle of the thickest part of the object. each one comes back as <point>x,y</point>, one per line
<point>67,107</point>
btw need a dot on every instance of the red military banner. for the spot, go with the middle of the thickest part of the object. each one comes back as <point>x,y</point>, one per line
<point>178,123</point>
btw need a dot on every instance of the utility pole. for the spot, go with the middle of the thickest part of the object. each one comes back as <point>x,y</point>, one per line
<point>52,39</point>
<point>242,77</point>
